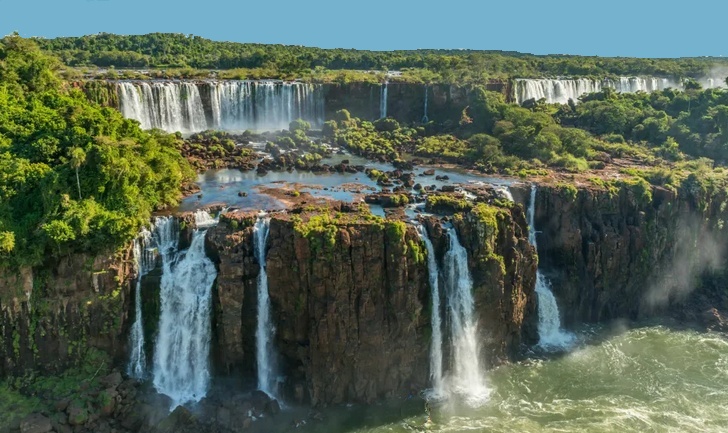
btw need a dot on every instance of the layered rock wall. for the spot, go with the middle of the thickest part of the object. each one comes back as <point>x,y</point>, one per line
<point>630,250</point>
<point>351,300</point>
<point>51,316</point>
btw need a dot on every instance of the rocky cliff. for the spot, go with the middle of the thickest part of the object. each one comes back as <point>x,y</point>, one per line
<point>629,250</point>
<point>351,299</point>
<point>405,102</point>
<point>51,316</point>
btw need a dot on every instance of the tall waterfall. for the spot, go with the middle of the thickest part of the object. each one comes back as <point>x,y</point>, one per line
<point>144,260</point>
<point>561,90</point>
<point>229,105</point>
<point>436,343</point>
<point>181,360</point>
<point>264,333</point>
<point>383,101</point>
<point>466,377</point>
<point>425,118</point>
<point>549,321</point>
<point>169,106</point>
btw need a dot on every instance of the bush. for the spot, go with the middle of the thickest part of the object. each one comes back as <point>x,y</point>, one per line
<point>299,125</point>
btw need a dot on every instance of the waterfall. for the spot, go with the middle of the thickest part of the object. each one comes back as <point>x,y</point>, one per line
<point>264,333</point>
<point>181,364</point>
<point>436,343</point>
<point>549,321</point>
<point>425,119</point>
<point>562,89</point>
<point>466,377</point>
<point>144,260</point>
<point>224,105</point>
<point>504,192</point>
<point>383,101</point>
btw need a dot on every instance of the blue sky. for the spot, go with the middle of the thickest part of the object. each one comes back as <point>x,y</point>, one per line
<point>642,28</point>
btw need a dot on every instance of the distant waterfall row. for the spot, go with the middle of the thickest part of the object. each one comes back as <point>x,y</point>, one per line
<point>228,105</point>
<point>561,90</point>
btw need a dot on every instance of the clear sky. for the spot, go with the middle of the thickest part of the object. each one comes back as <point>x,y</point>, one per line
<point>642,28</point>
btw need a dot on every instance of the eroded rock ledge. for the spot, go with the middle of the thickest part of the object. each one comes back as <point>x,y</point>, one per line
<point>351,299</point>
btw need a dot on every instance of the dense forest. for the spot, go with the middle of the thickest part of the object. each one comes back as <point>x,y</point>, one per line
<point>74,176</point>
<point>668,134</point>
<point>164,50</point>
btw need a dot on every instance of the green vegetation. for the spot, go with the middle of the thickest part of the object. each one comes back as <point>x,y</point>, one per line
<point>320,225</point>
<point>242,60</point>
<point>671,123</point>
<point>446,203</point>
<point>73,176</point>
<point>34,392</point>
<point>382,139</point>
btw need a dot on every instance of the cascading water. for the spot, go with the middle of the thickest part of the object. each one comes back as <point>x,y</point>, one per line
<point>465,377</point>
<point>561,90</point>
<point>168,106</point>
<point>550,334</point>
<point>265,355</point>
<point>436,343</point>
<point>426,119</point>
<point>181,359</point>
<point>144,260</point>
<point>383,101</point>
<point>228,105</point>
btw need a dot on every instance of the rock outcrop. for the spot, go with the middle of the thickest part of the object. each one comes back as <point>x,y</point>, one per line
<point>351,299</point>
<point>51,315</point>
<point>630,251</point>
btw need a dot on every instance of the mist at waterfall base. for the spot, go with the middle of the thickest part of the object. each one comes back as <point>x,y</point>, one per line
<point>698,250</point>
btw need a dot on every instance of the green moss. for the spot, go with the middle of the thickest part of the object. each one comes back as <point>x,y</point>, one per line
<point>487,215</point>
<point>399,200</point>
<point>416,251</point>
<point>395,229</point>
<point>607,185</point>
<point>319,230</point>
<point>446,203</point>
<point>16,343</point>
<point>641,189</point>
<point>14,405</point>
<point>567,190</point>
<point>498,259</point>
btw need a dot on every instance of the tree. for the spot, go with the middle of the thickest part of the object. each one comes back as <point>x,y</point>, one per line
<point>299,125</point>
<point>78,158</point>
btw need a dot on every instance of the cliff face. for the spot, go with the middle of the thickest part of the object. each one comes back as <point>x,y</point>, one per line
<point>630,251</point>
<point>503,265</point>
<point>350,299</point>
<point>50,317</point>
<point>405,102</point>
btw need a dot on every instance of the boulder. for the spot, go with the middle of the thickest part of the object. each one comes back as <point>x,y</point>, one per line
<point>77,414</point>
<point>35,423</point>
<point>112,381</point>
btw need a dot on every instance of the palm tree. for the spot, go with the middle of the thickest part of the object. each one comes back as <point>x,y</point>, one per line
<point>78,157</point>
